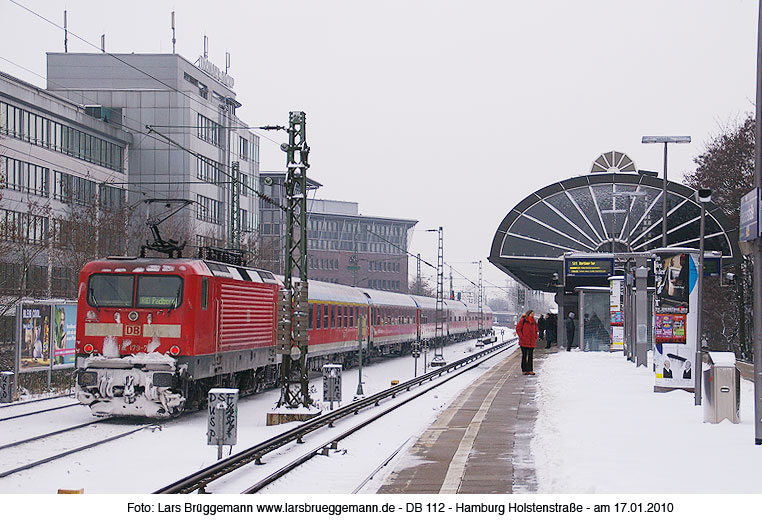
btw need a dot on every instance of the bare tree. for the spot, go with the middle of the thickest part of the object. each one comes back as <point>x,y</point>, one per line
<point>727,168</point>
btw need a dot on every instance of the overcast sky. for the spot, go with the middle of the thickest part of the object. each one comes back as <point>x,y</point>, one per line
<point>446,112</point>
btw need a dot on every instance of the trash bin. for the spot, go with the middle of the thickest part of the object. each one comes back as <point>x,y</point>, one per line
<point>7,389</point>
<point>722,388</point>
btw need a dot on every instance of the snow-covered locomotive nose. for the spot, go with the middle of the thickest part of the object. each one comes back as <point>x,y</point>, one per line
<point>138,385</point>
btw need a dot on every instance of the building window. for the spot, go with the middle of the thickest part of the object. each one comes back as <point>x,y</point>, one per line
<point>209,131</point>
<point>208,210</point>
<point>47,133</point>
<point>23,227</point>
<point>208,170</point>
<point>72,189</point>
<point>25,177</point>
<point>243,148</point>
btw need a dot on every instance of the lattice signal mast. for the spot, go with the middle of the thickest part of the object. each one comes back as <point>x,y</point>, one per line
<point>438,359</point>
<point>292,323</point>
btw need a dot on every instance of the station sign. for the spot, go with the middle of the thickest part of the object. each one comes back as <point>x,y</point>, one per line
<point>589,266</point>
<point>712,266</point>
<point>748,227</point>
<point>222,419</point>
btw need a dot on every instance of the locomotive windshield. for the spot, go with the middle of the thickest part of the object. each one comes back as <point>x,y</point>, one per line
<point>110,290</point>
<point>159,291</point>
<point>118,290</point>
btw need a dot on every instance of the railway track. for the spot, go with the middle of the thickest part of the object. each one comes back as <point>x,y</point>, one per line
<point>50,458</point>
<point>37,412</point>
<point>201,479</point>
<point>35,401</point>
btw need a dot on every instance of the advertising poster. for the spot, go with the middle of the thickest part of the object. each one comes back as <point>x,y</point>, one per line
<point>35,336</point>
<point>670,328</point>
<point>675,320</point>
<point>616,306</point>
<point>63,335</point>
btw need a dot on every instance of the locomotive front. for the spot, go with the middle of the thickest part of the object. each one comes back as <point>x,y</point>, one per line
<point>134,319</point>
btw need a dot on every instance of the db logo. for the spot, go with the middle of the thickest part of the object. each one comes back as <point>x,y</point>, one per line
<point>132,330</point>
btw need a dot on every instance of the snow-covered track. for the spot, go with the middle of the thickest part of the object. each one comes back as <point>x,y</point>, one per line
<point>35,401</point>
<point>50,434</point>
<point>46,410</point>
<point>75,450</point>
<point>202,478</point>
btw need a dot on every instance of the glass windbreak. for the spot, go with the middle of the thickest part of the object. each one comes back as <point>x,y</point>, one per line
<point>159,291</point>
<point>110,290</point>
<point>597,324</point>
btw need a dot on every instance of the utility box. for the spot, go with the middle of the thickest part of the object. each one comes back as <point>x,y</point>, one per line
<point>722,388</point>
<point>332,384</point>
<point>7,386</point>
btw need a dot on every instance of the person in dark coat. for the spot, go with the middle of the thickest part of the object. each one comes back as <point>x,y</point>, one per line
<point>541,326</point>
<point>550,329</point>
<point>527,331</point>
<point>570,329</point>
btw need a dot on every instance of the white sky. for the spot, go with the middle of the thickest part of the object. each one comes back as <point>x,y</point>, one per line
<point>448,112</point>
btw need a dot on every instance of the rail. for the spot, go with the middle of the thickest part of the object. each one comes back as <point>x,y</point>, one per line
<point>202,478</point>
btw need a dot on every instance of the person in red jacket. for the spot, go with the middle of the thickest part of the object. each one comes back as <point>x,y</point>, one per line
<point>526,330</point>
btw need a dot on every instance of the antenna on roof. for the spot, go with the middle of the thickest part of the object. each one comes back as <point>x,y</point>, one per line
<point>227,62</point>
<point>206,47</point>
<point>66,33</point>
<point>103,43</point>
<point>173,32</point>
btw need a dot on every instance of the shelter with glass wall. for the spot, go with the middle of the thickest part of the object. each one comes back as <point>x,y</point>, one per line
<point>619,214</point>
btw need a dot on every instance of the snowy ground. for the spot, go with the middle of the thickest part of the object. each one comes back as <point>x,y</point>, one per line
<point>602,429</point>
<point>149,460</point>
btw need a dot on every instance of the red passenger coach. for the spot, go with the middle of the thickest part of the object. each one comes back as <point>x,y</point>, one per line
<point>152,332</point>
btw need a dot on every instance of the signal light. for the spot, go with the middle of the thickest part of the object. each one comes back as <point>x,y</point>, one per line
<point>174,350</point>
<point>88,348</point>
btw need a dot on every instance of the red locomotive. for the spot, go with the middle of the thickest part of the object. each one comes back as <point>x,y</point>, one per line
<point>155,334</point>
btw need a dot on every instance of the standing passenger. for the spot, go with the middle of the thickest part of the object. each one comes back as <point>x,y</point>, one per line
<point>541,326</point>
<point>527,332</point>
<point>570,331</point>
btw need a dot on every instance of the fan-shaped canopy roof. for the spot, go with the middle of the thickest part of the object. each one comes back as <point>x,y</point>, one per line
<point>602,213</point>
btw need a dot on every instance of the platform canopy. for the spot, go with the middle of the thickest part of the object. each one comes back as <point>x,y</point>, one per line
<point>602,213</point>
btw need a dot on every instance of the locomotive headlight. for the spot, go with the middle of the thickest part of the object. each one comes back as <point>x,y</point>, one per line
<point>174,350</point>
<point>88,348</point>
<point>133,315</point>
<point>162,379</point>
<point>87,379</point>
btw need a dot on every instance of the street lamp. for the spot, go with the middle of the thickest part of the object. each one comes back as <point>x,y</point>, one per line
<point>702,197</point>
<point>666,139</point>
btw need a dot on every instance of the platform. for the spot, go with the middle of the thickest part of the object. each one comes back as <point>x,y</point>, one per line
<point>480,444</point>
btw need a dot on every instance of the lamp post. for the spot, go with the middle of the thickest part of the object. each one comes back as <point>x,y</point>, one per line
<point>702,197</point>
<point>666,139</point>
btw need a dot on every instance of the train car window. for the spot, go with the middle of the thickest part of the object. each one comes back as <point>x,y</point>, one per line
<point>110,290</point>
<point>204,293</point>
<point>254,275</point>
<point>159,291</point>
<point>346,318</point>
<point>309,318</point>
<point>219,269</point>
<point>267,276</point>
<point>326,316</point>
<point>318,315</point>
<point>339,316</point>
<point>333,316</point>
<point>352,311</point>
